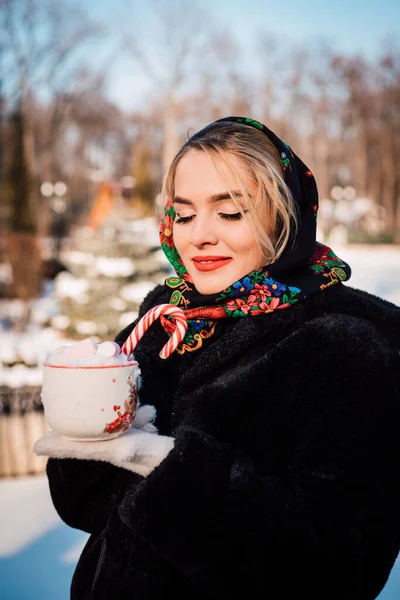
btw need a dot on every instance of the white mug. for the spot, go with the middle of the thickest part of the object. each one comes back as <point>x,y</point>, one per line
<point>90,403</point>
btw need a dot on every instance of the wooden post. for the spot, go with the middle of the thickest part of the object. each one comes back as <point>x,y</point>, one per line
<point>20,426</point>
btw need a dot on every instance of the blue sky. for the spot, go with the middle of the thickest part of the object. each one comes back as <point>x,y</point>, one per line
<point>350,26</point>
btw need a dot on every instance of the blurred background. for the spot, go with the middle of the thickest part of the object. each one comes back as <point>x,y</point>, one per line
<point>95,100</point>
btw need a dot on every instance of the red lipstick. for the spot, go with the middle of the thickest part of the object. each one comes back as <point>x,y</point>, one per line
<point>210,263</point>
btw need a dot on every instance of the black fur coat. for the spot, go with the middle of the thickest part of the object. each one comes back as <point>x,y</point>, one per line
<point>284,481</point>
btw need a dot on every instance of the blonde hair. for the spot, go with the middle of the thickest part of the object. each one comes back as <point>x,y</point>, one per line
<point>272,213</point>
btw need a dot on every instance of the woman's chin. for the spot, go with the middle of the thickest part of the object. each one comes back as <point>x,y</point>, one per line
<point>214,284</point>
<point>208,291</point>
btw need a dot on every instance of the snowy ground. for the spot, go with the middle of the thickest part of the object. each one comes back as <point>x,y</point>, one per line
<point>38,552</point>
<point>375,269</point>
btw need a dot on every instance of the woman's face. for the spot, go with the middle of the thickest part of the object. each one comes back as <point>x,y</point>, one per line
<point>215,242</point>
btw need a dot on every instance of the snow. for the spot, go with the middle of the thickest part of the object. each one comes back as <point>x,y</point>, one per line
<point>115,267</point>
<point>127,318</point>
<point>86,327</point>
<point>11,309</point>
<point>68,286</point>
<point>22,355</point>
<point>8,351</point>
<point>375,269</point>
<point>29,500</point>
<point>160,256</point>
<point>34,345</point>
<point>73,554</point>
<point>5,273</point>
<point>142,232</point>
<point>19,376</point>
<point>76,257</point>
<point>60,322</point>
<point>118,304</point>
<point>135,292</point>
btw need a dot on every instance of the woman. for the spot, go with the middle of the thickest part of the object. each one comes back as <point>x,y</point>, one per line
<point>279,475</point>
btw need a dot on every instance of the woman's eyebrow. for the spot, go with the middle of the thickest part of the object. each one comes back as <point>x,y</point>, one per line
<point>213,198</point>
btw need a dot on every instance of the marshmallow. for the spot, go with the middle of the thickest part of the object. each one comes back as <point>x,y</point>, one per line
<point>81,349</point>
<point>109,349</point>
<point>60,349</point>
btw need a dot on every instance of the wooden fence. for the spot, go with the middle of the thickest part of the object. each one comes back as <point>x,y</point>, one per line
<point>22,422</point>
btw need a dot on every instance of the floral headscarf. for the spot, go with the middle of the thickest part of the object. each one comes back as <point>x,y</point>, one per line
<point>305,268</point>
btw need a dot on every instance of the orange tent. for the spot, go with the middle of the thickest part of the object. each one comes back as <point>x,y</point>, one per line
<point>102,205</point>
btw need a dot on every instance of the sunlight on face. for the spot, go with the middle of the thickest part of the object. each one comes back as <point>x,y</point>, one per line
<point>215,242</point>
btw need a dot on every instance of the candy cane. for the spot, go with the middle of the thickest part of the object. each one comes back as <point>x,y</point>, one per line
<point>148,319</point>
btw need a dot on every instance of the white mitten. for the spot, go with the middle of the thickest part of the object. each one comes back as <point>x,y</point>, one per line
<point>140,449</point>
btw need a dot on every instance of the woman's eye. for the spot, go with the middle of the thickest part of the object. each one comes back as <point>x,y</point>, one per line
<point>226,216</point>
<point>183,219</point>
<point>231,217</point>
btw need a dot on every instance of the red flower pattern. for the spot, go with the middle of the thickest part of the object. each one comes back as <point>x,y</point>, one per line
<point>124,420</point>
<point>166,227</point>
<point>261,291</point>
<point>240,304</point>
<point>273,305</point>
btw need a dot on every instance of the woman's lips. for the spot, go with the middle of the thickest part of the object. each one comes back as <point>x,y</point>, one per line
<point>210,263</point>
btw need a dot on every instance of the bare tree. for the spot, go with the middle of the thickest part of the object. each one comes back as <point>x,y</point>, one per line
<point>185,52</point>
<point>40,42</point>
<point>389,138</point>
<point>322,113</point>
<point>371,128</point>
<point>39,38</point>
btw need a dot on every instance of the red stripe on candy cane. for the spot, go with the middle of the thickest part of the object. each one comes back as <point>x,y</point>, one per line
<point>179,320</point>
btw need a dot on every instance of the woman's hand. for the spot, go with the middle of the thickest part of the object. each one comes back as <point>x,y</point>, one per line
<point>140,449</point>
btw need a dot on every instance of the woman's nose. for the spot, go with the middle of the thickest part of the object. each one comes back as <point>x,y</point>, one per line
<point>202,232</point>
